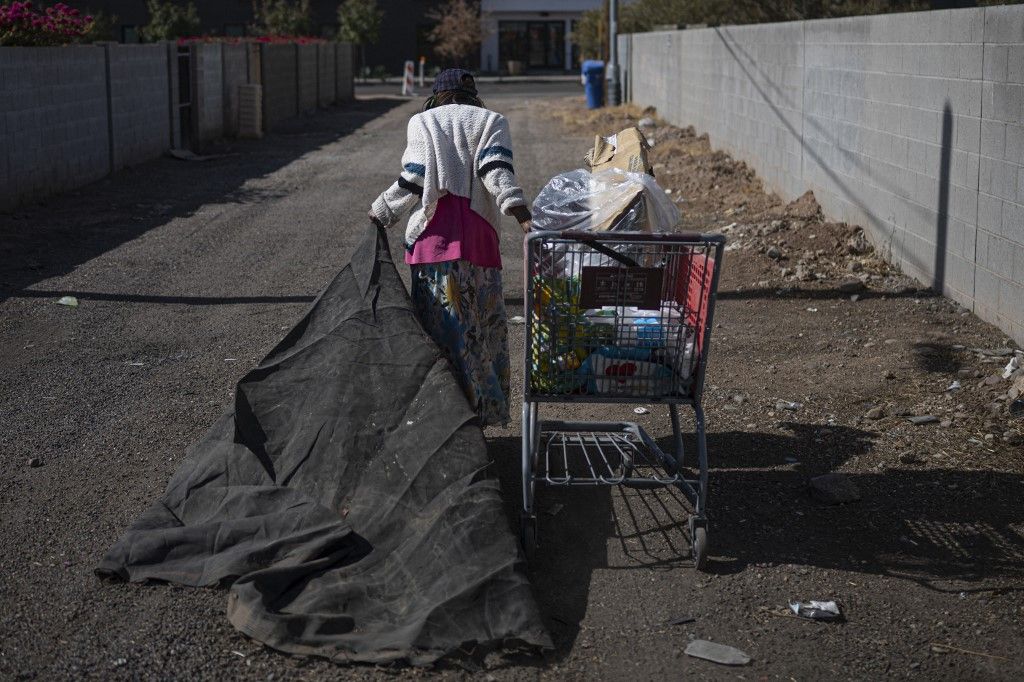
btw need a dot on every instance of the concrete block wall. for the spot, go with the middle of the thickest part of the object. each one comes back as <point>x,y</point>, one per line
<point>345,72</point>
<point>139,103</point>
<point>53,121</point>
<point>909,125</point>
<point>999,278</point>
<point>327,85</point>
<point>208,71</point>
<point>280,86</point>
<point>235,62</point>
<point>307,76</point>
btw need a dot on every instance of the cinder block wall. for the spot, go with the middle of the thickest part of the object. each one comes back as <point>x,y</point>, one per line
<point>236,72</point>
<point>139,101</point>
<point>280,87</point>
<point>908,125</point>
<point>55,137</point>
<point>327,86</point>
<point>307,76</point>
<point>208,68</point>
<point>345,72</point>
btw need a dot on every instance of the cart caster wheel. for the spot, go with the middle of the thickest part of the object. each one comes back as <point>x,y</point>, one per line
<point>528,535</point>
<point>699,539</point>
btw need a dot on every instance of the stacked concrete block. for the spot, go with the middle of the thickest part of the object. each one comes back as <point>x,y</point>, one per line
<point>345,72</point>
<point>235,64</point>
<point>208,71</point>
<point>910,125</point>
<point>327,64</point>
<point>306,75</point>
<point>139,102</point>
<point>999,284</point>
<point>280,85</point>
<point>54,128</point>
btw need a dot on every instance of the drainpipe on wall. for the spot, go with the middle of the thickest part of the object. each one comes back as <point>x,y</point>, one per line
<point>614,96</point>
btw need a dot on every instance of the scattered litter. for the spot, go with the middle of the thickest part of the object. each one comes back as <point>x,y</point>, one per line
<point>641,410</point>
<point>230,359</point>
<point>876,412</point>
<point>187,155</point>
<point>1011,367</point>
<point>409,423</point>
<point>827,611</point>
<point>787,405</point>
<point>118,662</point>
<point>682,620</point>
<point>923,419</point>
<point>647,122</point>
<point>668,190</point>
<point>238,653</point>
<point>716,653</point>
<point>517,319</point>
<point>947,648</point>
<point>955,386</point>
<point>854,298</point>
<point>812,310</point>
<point>136,364</point>
<point>70,301</point>
<point>834,488</point>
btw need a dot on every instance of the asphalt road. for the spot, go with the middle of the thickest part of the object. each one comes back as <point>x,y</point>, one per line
<point>187,273</point>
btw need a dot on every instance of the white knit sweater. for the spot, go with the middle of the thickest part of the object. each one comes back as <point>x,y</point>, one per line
<point>458,149</point>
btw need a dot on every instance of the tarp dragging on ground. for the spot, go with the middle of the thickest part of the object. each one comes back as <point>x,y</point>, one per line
<point>340,498</point>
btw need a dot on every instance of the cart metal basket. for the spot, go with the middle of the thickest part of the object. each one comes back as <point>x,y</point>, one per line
<point>616,317</point>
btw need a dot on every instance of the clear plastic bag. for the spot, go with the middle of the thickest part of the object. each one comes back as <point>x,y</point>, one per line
<point>609,200</point>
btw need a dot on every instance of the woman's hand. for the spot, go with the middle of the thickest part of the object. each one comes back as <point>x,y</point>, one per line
<point>527,226</point>
<point>374,219</point>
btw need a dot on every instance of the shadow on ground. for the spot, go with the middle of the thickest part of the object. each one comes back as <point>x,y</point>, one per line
<point>934,527</point>
<point>52,238</point>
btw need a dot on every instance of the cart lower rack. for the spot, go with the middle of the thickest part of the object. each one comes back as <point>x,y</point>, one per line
<point>616,317</point>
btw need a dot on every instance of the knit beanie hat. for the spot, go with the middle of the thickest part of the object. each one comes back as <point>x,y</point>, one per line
<point>455,79</point>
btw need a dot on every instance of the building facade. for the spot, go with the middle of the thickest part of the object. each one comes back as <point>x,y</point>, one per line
<point>530,35</point>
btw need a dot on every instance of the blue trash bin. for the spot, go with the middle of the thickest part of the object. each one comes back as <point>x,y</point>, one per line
<point>593,83</point>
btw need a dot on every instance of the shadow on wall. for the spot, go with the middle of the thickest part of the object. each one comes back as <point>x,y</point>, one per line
<point>53,238</point>
<point>746,62</point>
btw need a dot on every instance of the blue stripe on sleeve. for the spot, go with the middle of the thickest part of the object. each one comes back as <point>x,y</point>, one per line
<point>416,168</point>
<point>496,150</point>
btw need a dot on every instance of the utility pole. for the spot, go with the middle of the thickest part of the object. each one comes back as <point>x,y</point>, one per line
<point>614,96</point>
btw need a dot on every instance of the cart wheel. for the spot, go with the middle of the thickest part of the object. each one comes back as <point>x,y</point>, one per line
<point>700,548</point>
<point>528,534</point>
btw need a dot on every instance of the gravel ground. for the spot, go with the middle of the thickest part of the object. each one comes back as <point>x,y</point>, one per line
<point>187,273</point>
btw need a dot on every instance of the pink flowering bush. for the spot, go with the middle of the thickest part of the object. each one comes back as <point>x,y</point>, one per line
<point>21,24</point>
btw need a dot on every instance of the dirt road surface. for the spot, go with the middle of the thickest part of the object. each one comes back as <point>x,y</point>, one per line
<point>187,273</point>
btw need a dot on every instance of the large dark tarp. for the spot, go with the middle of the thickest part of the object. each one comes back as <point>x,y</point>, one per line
<point>341,498</point>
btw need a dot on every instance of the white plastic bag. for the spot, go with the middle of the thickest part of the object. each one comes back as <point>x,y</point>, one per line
<point>581,200</point>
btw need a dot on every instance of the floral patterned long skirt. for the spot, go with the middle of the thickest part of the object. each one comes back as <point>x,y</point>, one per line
<point>462,307</point>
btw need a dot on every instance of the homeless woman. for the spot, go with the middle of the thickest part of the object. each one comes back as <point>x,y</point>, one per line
<point>457,172</point>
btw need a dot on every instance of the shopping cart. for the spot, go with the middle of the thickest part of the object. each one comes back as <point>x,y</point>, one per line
<point>616,317</point>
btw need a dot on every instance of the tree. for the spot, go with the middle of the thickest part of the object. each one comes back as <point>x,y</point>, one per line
<point>281,17</point>
<point>359,23</point>
<point>169,21</point>
<point>459,30</point>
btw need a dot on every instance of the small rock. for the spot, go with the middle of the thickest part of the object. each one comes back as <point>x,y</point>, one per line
<point>910,458</point>
<point>787,405</point>
<point>855,266</point>
<point>851,286</point>
<point>739,398</point>
<point>992,380</point>
<point>775,225</point>
<point>875,412</point>
<point>854,298</point>
<point>946,423</point>
<point>858,244</point>
<point>923,419</point>
<point>989,437</point>
<point>888,374</point>
<point>834,489</point>
<point>773,252</point>
<point>890,342</point>
<point>35,462</point>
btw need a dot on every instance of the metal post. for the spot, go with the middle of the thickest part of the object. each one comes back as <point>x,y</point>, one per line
<point>614,97</point>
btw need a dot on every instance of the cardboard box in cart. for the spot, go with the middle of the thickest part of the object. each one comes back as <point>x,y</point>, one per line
<point>626,151</point>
